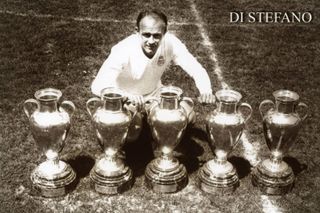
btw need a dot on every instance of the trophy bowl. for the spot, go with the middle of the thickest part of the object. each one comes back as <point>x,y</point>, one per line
<point>50,124</point>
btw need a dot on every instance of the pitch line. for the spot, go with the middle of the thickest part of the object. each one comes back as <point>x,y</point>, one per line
<point>208,44</point>
<point>81,19</point>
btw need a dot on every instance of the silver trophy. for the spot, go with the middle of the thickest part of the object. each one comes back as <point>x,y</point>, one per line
<point>168,118</point>
<point>281,124</point>
<point>224,127</point>
<point>49,124</point>
<point>111,119</point>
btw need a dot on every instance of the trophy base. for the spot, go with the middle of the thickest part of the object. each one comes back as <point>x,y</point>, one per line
<point>113,183</point>
<point>166,180</point>
<point>273,182</point>
<point>218,179</point>
<point>53,185</point>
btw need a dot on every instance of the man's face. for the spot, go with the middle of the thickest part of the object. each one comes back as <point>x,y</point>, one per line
<point>151,31</point>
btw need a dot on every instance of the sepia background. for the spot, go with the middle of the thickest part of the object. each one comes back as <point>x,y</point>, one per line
<point>63,43</point>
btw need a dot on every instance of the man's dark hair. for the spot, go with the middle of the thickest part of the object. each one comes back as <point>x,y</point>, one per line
<point>152,13</point>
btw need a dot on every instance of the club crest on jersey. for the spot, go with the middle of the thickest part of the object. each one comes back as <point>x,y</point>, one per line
<point>161,61</point>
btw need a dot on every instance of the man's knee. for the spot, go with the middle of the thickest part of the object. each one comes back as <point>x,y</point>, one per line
<point>135,127</point>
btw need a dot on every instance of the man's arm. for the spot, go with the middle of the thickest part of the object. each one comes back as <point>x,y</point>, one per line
<point>183,58</point>
<point>108,72</point>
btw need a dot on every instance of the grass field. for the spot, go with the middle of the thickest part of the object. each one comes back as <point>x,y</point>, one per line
<point>62,44</point>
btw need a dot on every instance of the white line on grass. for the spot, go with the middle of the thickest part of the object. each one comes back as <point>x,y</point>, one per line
<point>250,152</point>
<point>80,19</point>
<point>208,44</point>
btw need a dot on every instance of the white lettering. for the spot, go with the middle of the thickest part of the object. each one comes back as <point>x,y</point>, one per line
<point>285,16</point>
<point>234,17</point>
<point>269,17</point>
<point>309,16</point>
<point>277,17</point>
<point>296,17</point>
<point>252,18</point>
<point>260,14</point>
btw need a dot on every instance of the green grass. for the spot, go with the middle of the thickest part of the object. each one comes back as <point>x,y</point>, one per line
<point>59,51</point>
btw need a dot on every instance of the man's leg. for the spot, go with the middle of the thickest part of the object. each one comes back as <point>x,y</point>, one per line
<point>136,124</point>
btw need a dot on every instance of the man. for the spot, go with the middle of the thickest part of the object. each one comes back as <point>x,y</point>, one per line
<point>136,64</point>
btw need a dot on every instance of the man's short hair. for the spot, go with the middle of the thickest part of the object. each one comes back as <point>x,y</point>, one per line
<point>152,13</point>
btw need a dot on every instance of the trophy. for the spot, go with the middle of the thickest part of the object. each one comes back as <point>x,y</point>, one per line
<point>111,119</point>
<point>50,124</point>
<point>224,128</point>
<point>281,124</point>
<point>168,118</point>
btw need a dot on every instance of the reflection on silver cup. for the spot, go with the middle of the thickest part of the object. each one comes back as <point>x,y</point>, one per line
<point>111,120</point>
<point>281,124</point>
<point>168,119</point>
<point>224,127</point>
<point>49,125</point>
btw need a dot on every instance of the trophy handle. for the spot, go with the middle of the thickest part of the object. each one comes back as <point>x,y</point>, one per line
<point>189,101</point>
<point>249,108</point>
<point>305,106</point>
<point>92,100</point>
<point>188,105</point>
<point>30,101</point>
<point>67,104</point>
<point>264,103</point>
<point>149,103</point>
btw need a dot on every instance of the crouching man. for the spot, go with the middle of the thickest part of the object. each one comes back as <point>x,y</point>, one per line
<point>136,64</point>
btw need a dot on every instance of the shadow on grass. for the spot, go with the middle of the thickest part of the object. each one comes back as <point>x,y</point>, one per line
<point>140,152</point>
<point>189,150</point>
<point>296,166</point>
<point>242,166</point>
<point>82,166</point>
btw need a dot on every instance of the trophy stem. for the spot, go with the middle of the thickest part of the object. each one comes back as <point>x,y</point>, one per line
<point>276,159</point>
<point>52,158</point>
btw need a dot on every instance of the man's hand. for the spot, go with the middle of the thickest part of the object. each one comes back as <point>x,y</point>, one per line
<point>207,98</point>
<point>137,100</point>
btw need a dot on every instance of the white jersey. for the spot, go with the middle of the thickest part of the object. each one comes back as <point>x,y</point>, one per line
<point>129,69</point>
